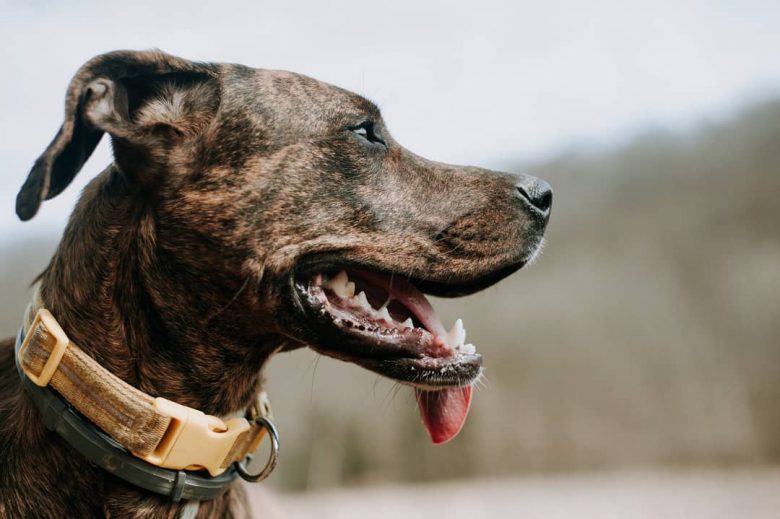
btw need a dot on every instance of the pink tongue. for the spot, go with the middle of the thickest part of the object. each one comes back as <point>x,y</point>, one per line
<point>444,412</point>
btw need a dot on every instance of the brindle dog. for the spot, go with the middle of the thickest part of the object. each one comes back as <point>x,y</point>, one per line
<point>203,250</point>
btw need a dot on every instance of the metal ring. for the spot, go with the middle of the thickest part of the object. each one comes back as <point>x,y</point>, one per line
<point>272,459</point>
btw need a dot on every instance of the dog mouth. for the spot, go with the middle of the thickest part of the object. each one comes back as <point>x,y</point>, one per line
<point>384,323</point>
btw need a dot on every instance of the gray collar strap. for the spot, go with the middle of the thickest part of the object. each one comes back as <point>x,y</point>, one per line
<point>100,449</point>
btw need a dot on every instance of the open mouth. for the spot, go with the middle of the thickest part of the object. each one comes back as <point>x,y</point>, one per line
<point>384,323</point>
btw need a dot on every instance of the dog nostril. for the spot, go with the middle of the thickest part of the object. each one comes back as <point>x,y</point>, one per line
<point>544,202</point>
<point>537,192</point>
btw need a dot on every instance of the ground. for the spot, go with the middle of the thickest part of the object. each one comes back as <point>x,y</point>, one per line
<point>650,494</point>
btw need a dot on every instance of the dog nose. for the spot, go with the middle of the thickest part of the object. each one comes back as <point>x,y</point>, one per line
<point>537,192</point>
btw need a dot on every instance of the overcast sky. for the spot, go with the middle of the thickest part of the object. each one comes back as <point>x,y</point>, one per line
<point>486,83</point>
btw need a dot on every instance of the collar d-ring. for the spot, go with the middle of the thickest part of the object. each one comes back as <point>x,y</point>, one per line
<point>273,457</point>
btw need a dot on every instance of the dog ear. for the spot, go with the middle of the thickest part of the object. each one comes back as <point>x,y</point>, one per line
<point>127,94</point>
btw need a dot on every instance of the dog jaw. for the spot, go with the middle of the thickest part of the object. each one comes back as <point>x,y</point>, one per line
<point>384,323</point>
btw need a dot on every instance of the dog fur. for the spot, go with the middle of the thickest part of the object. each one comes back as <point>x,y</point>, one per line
<point>175,269</point>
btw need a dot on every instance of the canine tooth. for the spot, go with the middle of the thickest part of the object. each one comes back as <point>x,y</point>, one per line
<point>340,291</point>
<point>468,349</point>
<point>456,335</point>
<point>384,314</point>
<point>362,300</point>
<point>462,336</point>
<point>339,284</point>
<point>408,323</point>
<point>349,289</point>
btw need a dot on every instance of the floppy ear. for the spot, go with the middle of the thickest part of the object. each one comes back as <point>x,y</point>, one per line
<point>124,93</point>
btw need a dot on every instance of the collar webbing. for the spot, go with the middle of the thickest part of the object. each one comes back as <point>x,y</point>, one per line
<point>147,441</point>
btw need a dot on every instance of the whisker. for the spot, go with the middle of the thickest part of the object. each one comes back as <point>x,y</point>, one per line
<point>316,363</point>
<point>232,300</point>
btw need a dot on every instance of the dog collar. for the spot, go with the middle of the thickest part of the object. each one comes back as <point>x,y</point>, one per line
<point>153,443</point>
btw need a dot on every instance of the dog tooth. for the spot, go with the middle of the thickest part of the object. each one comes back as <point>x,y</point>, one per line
<point>341,278</point>
<point>349,289</point>
<point>384,314</point>
<point>339,284</point>
<point>362,300</point>
<point>408,323</point>
<point>468,349</point>
<point>456,335</point>
<point>339,291</point>
<point>461,339</point>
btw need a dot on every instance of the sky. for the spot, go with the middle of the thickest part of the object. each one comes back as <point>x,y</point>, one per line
<point>486,83</point>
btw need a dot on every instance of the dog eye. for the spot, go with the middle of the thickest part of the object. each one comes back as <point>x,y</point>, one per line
<point>368,131</point>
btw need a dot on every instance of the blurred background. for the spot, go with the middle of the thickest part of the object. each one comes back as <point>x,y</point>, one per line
<point>634,370</point>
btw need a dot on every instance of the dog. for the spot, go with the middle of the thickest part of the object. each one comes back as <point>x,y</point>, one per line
<point>248,212</point>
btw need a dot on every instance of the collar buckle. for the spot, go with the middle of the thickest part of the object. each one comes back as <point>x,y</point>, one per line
<point>194,440</point>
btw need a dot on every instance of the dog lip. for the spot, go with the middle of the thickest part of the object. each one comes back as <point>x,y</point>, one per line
<point>428,373</point>
<point>454,285</point>
<point>460,288</point>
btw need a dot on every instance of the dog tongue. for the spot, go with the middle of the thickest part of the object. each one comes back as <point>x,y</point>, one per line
<point>444,411</point>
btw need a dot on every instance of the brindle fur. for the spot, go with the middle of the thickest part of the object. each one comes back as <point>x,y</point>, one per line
<point>174,271</point>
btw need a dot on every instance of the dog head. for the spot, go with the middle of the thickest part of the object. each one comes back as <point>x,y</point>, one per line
<point>294,192</point>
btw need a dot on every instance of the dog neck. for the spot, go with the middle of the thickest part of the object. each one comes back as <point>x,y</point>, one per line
<point>144,313</point>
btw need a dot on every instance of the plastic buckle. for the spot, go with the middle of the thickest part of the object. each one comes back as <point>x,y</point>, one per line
<point>55,357</point>
<point>194,440</point>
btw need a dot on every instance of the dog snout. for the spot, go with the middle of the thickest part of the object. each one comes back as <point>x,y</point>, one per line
<point>535,192</point>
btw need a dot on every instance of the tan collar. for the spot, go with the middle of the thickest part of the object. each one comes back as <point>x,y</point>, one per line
<point>161,432</point>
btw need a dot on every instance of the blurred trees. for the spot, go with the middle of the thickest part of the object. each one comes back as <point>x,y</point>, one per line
<point>648,332</point>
